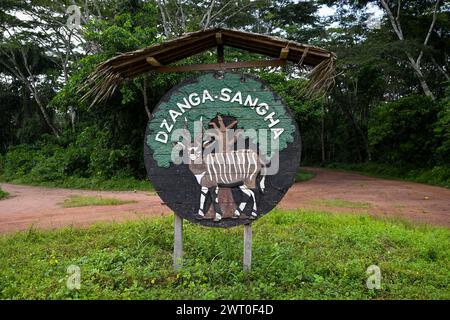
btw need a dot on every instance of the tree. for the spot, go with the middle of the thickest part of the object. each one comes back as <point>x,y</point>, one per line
<point>401,132</point>
<point>178,17</point>
<point>415,63</point>
<point>420,30</point>
<point>27,65</point>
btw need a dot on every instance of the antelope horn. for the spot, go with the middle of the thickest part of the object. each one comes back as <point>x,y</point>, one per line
<point>214,125</point>
<point>198,138</point>
<point>221,124</point>
<point>185,130</point>
<point>231,125</point>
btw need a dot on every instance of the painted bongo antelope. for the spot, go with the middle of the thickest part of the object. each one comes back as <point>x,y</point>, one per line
<point>235,168</point>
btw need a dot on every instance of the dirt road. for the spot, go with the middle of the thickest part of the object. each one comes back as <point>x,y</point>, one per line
<point>42,207</point>
<point>330,190</point>
<point>378,197</point>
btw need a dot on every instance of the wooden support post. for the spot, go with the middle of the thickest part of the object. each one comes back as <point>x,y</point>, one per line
<point>220,50</point>
<point>247,246</point>
<point>177,242</point>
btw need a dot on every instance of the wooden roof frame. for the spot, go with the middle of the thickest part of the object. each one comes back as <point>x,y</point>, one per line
<point>158,58</point>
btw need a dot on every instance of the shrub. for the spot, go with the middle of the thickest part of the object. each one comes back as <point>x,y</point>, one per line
<point>437,175</point>
<point>442,131</point>
<point>3,194</point>
<point>76,161</point>
<point>20,160</point>
<point>90,154</point>
<point>49,168</point>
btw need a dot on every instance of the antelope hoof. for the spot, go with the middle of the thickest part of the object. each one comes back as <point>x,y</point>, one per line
<point>200,215</point>
<point>217,218</point>
<point>236,214</point>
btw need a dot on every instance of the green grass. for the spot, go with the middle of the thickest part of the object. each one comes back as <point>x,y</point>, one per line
<point>296,255</point>
<point>3,194</point>
<point>114,184</point>
<point>303,175</point>
<point>340,203</point>
<point>438,175</point>
<point>83,201</point>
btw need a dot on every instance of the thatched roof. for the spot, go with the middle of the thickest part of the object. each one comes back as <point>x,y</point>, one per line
<point>108,75</point>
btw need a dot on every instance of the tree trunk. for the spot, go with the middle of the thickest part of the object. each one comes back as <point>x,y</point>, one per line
<point>45,114</point>
<point>425,87</point>
<point>144,94</point>
<point>415,63</point>
<point>322,136</point>
<point>73,115</point>
<point>420,76</point>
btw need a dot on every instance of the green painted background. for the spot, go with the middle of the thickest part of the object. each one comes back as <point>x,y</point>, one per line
<point>247,117</point>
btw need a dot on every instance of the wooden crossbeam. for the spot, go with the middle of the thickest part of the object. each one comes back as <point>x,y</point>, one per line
<point>221,66</point>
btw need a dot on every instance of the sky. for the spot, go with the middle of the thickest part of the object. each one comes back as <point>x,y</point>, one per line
<point>373,9</point>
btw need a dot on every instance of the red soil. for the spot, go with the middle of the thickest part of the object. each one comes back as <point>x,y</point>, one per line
<point>42,207</point>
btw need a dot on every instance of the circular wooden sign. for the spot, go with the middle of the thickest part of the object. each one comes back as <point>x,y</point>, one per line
<point>222,149</point>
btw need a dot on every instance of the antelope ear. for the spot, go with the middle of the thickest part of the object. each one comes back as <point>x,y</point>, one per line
<point>177,143</point>
<point>208,143</point>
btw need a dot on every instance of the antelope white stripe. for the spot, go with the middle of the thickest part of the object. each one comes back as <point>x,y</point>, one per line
<point>213,166</point>
<point>256,167</point>
<point>208,164</point>
<point>249,163</point>
<point>224,168</point>
<point>234,154</point>
<point>229,166</point>
<point>243,165</point>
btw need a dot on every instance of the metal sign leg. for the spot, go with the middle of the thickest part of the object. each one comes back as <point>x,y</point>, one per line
<point>177,242</point>
<point>247,247</point>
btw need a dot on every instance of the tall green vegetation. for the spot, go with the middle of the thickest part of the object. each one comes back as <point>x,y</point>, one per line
<point>389,104</point>
<point>403,132</point>
<point>296,255</point>
<point>3,194</point>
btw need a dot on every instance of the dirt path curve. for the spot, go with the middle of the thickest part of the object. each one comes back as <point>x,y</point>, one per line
<point>41,207</point>
<point>380,197</point>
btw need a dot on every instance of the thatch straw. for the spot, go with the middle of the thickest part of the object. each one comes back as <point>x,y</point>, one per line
<point>107,76</point>
<point>322,77</point>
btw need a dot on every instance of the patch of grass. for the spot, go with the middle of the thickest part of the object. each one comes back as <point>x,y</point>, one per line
<point>296,255</point>
<point>83,201</point>
<point>3,194</point>
<point>303,175</point>
<point>113,184</point>
<point>340,203</point>
<point>438,175</point>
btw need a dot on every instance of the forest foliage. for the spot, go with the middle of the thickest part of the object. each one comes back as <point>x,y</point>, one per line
<point>390,104</point>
